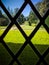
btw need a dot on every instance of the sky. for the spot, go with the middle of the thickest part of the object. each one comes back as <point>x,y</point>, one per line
<point>12,4</point>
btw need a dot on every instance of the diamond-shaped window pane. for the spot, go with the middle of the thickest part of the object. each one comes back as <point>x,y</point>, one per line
<point>14,39</point>
<point>41,40</point>
<point>28,56</point>
<point>47,58</point>
<point>5,57</point>
<point>28,20</point>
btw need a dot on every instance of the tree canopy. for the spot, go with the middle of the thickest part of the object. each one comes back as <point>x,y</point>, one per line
<point>3,20</point>
<point>42,6</point>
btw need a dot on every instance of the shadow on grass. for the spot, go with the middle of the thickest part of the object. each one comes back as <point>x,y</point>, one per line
<point>27,57</point>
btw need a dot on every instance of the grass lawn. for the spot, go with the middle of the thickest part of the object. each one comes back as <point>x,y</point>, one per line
<point>15,40</point>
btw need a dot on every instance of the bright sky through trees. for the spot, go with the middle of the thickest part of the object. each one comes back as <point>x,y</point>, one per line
<point>12,4</point>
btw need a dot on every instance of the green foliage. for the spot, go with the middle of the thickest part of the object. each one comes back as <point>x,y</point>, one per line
<point>21,19</point>
<point>47,21</point>
<point>37,5</point>
<point>29,23</point>
<point>3,20</point>
<point>44,6</point>
<point>16,10</point>
<point>31,18</point>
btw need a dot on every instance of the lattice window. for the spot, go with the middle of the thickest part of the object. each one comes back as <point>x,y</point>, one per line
<point>28,38</point>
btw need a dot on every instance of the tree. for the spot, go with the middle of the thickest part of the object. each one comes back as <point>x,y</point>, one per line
<point>44,6</point>
<point>37,5</point>
<point>47,3</point>
<point>16,10</point>
<point>8,9</point>
<point>29,23</point>
<point>32,18</point>
<point>3,20</point>
<point>21,19</point>
<point>11,12</point>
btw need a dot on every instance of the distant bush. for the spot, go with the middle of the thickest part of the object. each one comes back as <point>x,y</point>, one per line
<point>4,21</point>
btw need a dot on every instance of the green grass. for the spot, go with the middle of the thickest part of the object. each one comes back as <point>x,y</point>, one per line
<point>41,37</point>
<point>14,36</point>
<point>2,27</point>
<point>15,40</point>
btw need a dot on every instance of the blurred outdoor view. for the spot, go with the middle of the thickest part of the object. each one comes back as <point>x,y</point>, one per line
<point>28,22</point>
